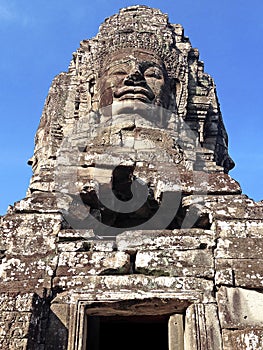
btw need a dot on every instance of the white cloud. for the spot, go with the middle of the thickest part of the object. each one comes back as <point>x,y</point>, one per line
<point>10,14</point>
<point>6,14</point>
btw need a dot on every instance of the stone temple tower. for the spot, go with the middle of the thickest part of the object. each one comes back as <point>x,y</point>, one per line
<point>132,234</point>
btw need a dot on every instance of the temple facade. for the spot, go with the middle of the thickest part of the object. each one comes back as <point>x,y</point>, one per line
<point>132,233</point>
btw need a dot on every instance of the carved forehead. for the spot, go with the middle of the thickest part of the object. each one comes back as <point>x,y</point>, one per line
<point>128,57</point>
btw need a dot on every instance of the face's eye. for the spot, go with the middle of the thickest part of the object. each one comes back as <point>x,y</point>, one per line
<point>153,72</point>
<point>119,72</point>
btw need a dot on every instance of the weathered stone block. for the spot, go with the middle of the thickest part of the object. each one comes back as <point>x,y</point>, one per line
<point>240,308</point>
<point>195,263</point>
<point>176,332</point>
<point>36,266</point>
<point>74,246</point>
<point>24,301</point>
<point>62,313</point>
<point>92,263</point>
<point>15,344</point>
<point>28,234</point>
<point>246,273</point>
<point>228,206</point>
<point>224,273</point>
<point>38,202</point>
<point>210,183</point>
<point>16,301</point>
<point>14,324</point>
<point>239,248</point>
<point>239,228</point>
<point>70,235</point>
<point>24,273</point>
<point>184,239</point>
<point>8,301</point>
<point>39,286</point>
<point>76,243</point>
<point>247,339</point>
<point>138,287</point>
<point>223,183</point>
<point>202,328</point>
<point>103,246</point>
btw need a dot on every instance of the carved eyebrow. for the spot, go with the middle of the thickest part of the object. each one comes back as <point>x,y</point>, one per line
<point>153,68</point>
<point>148,64</point>
<point>118,62</point>
<point>120,70</point>
<point>122,66</point>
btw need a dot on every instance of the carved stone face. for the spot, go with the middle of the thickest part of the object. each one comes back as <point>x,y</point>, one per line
<point>134,75</point>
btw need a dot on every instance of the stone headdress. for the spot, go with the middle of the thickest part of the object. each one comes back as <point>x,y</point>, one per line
<point>74,94</point>
<point>141,27</point>
<point>131,28</point>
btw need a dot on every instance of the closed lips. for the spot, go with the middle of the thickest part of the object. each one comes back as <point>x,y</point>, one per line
<point>126,92</point>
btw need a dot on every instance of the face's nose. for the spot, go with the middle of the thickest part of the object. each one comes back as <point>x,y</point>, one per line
<point>135,77</point>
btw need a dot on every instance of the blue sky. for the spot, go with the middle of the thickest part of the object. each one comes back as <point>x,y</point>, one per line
<point>37,41</point>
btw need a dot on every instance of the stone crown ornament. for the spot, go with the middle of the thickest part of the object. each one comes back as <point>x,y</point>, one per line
<point>131,29</point>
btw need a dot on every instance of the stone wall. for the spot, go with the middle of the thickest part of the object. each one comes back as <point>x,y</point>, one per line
<point>213,275</point>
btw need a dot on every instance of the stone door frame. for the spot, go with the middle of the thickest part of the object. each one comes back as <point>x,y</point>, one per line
<point>175,309</point>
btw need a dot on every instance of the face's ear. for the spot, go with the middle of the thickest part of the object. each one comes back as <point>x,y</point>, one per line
<point>172,84</point>
<point>172,94</point>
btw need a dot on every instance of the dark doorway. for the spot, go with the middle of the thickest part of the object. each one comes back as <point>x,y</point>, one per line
<point>127,332</point>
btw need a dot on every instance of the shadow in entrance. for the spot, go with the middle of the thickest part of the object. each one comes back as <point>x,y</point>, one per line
<point>127,332</point>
